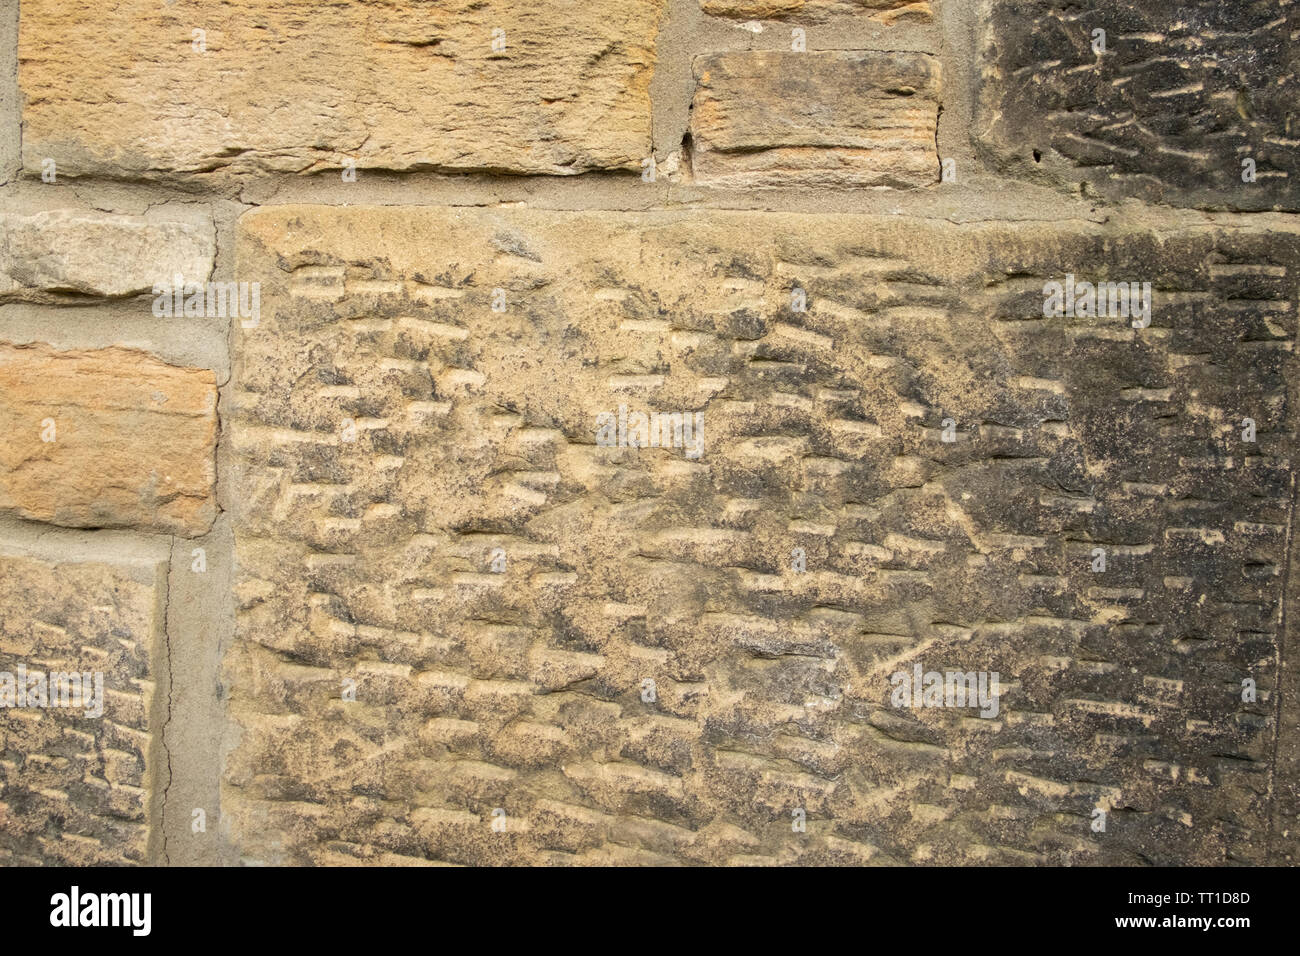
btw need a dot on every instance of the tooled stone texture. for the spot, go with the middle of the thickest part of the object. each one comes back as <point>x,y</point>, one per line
<point>106,438</point>
<point>1181,95</point>
<point>424,511</point>
<point>298,86</point>
<point>48,255</point>
<point>78,789</point>
<point>782,119</point>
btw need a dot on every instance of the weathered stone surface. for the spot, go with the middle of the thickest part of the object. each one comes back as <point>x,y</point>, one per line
<point>824,119</point>
<point>76,789</point>
<point>106,438</point>
<point>92,253</point>
<point>1285,844</point>
<point>10,112</point>
<point>1183,93</point>
<point>298,86</point>
<point>814,11</point>
<point>423,510</point>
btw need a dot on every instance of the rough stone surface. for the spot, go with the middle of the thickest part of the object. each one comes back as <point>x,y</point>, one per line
<point>96,254</point>
<point>815,11</point>
<point>779,119</point>
<point>298,86</point>
<point>391,432</point>
<point>10,113</point>
<point>1182,94</point>
<point>1285,848</point>
<point>77,790</point>
<point>133,439</point>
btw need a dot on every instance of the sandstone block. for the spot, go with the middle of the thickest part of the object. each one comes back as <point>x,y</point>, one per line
<point>823,119</point>
<point>815,11</point>
<point>106,438</point>
<point>73,253</point>
<point>78,782</point>
<point>536,86</point>
<point>651,652</point>
<point>1165,101</point>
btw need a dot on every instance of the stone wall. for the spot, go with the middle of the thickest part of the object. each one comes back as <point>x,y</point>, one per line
<point>562,432</point>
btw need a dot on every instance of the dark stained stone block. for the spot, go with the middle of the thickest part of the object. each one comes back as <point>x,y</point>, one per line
<point>1182,95</point>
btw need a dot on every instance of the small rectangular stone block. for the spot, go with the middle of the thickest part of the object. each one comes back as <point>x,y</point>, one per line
<point>817,11</point>
<point>82,253</point>
<point>780,119</point>
<point>107,438</point>
<point>201,89</point>
<point>470,591</point>
<point>77,788</point>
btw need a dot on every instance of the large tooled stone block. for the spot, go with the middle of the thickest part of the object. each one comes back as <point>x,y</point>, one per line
<point>644,654</point>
